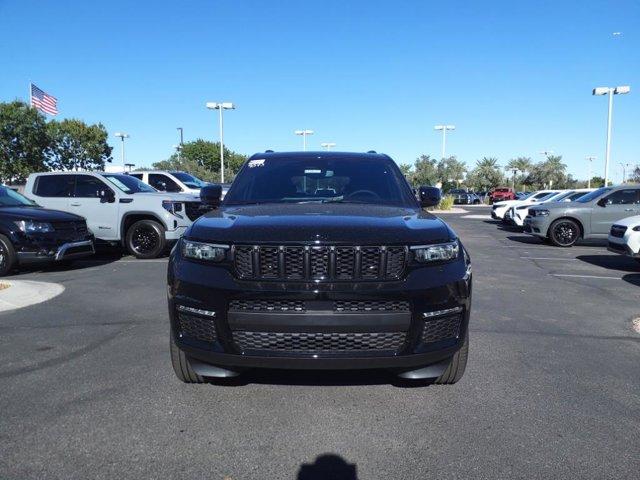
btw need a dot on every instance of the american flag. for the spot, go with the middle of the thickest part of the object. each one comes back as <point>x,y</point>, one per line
<point>43,101</point>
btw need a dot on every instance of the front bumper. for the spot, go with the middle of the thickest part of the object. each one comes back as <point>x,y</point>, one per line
<point>45,252</point>
<point>538,226</point>
<point>624,245</point>
<point>222,336</point>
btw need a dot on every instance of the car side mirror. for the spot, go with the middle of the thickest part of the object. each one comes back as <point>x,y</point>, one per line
<point>211,195</point>
<point>161,186</point>
<point>429,196</point>
<point>107,196</point>
<point>602,202</point>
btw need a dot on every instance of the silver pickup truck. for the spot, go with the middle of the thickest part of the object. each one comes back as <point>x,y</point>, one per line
<point>119,209</point>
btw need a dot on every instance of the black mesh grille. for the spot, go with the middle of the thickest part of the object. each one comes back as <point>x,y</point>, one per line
<point>618,231</point>
<point>370,306</point>
<point>319,342</point>
<point>267,305</point>
<point>196,209</point>
<point>441,328</point>
<point>320,262</point>
<point>244,261</point>
<point>196,327</point>
<point>70,230</point>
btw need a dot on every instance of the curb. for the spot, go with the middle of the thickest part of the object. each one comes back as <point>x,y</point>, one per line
<point>23,293</point>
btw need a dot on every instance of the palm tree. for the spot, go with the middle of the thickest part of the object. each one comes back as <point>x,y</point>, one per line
<point>520,164</point>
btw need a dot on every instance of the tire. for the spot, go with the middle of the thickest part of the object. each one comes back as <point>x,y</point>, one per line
<point>8,258</point>
<point>564,232</point>
<point>458,365</point>
<point>145,239</point>
<point>181,365</point>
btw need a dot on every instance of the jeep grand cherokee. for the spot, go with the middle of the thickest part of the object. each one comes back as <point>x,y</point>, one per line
<point>319,260</point>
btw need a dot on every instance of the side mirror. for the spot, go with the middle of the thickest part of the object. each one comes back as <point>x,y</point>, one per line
<point>211,195</point>
<point>429,196</point>
<point>602,202</point>
<point>107,196</point>
<point>161,186</point>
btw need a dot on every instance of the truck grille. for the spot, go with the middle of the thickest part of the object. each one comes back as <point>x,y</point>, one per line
<point>339,306</point>
<point>319,262</point>
<point>196,327</point>
<point>442,328</point>
<point>618,231</point>
<point>195,210</point>
<point>70,230</point>
<point>319,342</point>
<point>371,306</point>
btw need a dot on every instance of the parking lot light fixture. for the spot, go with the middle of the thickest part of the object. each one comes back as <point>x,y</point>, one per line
<point>591,159</point>
<point>122,136</point>
<point>611,91</point>
<point>328,145</point>
<point>444,129</point>
<point>220,106</point>
<point>304,134</point>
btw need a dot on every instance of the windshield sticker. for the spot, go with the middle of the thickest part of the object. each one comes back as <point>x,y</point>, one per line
<point>312,171</point>
<point>256,163</point>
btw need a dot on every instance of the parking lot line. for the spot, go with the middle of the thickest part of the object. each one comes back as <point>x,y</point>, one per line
<point>583,276</point>
<point>550,258</point>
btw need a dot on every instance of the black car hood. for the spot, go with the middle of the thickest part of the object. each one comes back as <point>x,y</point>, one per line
<point>358,224</point>
<point>37,214</point>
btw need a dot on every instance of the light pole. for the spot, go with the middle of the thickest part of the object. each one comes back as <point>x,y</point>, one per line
<point>444,129</point>
<point>304,134</point>
<point>515,172</point>
<point>624,173</point>
<point>221,106</point>
<point>122,136</point>
<point>179,147</point>
<point>611,91</point>
<point>327,145</point>
<point>591,159</point>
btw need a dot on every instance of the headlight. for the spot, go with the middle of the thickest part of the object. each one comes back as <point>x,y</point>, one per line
<point>542,213</point>
<point>29,226</point>
<point>204,251</point>
<point>636,228</point>
<point>172,207</point>
<point>436,253</point>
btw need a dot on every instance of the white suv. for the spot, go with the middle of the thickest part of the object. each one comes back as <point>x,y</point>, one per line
<point>624,237</point>
<point>118,208</point>
<point>499,209</point>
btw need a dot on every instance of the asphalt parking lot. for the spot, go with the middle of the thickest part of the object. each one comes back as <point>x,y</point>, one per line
<point>552,388</point>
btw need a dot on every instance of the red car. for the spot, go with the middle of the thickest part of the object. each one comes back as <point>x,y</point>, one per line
<point>502,193</point>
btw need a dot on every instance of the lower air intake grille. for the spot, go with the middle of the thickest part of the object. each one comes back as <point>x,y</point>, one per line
<point>198,328</point>
<point>319,342</point>
<point>370,306</point>
<point>441,328</point>
<point>267,306</point>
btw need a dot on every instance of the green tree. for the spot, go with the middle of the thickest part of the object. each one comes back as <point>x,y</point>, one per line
<point>547,174</point>
<point>450,171</point>
<point>486,175</point>
<point>522,165</point>
<point>425,172</point>
<point>76,145</point>
<point>202,158</point>
<point>24,141</point>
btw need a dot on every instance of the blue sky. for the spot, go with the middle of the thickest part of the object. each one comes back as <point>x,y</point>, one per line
<point>515,77</point>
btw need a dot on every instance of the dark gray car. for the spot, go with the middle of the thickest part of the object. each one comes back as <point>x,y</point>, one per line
<point>462,197</point>
<point>590,216</point>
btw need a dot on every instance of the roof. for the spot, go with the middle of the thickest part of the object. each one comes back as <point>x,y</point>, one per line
<point>319,154</point>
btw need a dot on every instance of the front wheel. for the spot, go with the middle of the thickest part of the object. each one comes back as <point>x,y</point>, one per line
<point>457,366</point>
<point>7,256</point>
<point>181,365</point>
<point>564,232</point>
<point>145,239</point>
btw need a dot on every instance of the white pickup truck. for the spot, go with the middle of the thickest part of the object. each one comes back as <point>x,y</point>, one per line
<point>119,209</point>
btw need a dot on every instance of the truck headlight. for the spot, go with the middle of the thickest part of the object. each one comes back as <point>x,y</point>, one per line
<point>29,226</point>
<point>542,213</point>
<point>636,228</point>
<point>204,251</point>
<point>172,207</point>
<point>436,253</point>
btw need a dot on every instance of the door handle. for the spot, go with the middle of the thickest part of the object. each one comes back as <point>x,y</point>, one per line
<point>75,204</point>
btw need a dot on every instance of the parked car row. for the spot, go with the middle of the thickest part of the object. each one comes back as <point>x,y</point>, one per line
<point>563,217</point>
<point>62,215</point>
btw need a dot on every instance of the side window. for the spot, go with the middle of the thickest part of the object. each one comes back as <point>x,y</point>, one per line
<point>137,175</point>
<point>88,186</point>
<point>54,186</point>
<point>163,183</point>
<point>623,197</point>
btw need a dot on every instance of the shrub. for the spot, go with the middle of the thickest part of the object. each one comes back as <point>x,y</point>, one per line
<point>446,203</point>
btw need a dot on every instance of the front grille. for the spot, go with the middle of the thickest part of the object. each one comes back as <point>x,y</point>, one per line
<point>194,210</point>
<point>196,327</point>
<point>370,306</point>
<point>319,342</point>
<point>618,231</point>
<point>441,328</point>
<point>267,306</point>
<point>269,262</point>
<point>70,229</point>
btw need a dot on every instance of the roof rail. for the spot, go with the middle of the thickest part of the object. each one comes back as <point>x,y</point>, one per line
<point>268,151</point>
<point>372,151</point>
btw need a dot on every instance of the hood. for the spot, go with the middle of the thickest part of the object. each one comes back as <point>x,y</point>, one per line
<point>37,214</point>
<point>355,224</point>
<point>174,197</point>
<point>506,203</point>
<point>629,222</point>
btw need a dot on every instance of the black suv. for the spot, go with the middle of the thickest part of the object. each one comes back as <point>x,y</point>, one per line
<point>30,233</point>
<point>319,260</point>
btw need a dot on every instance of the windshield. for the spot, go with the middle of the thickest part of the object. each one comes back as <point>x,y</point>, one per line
<point>11,198</point>
<point>321,179</point>
<point>189,180</point>
<point>592,195</point>
<point>128,184</point>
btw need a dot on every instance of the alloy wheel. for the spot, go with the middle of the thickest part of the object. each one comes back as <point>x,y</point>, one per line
<point>144,239</point>
<point>566,233</point>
